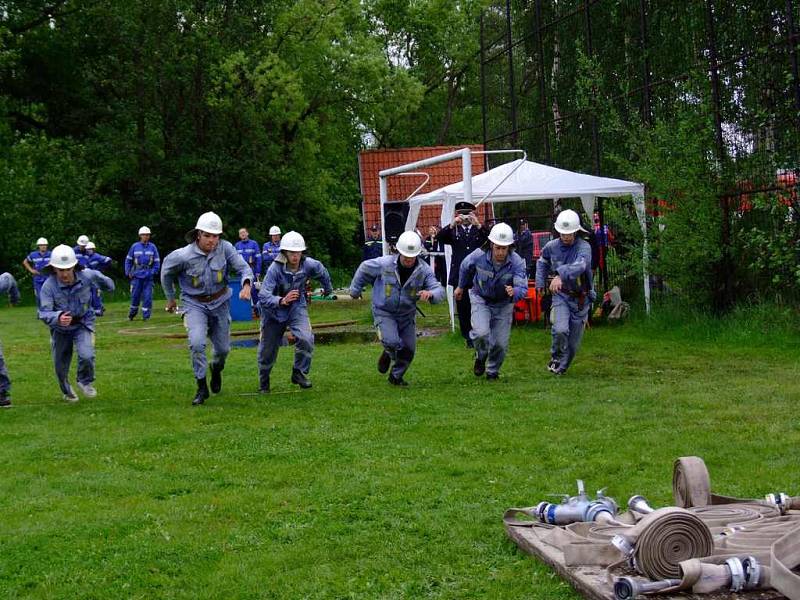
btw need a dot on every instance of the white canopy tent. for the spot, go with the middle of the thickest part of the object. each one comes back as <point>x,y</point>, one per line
<point>522,180</point>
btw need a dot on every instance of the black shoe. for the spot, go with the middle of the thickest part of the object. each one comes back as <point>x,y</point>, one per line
<point>300,379</point>
<point>202,392</point>
<point>384,362</point>
<point>216,378</point>
<point>479,368</point>
<point>5,401</point>
<point>397,381</point>
<point>492,376</point>
<point>554,367</point>
<point>470,344</point>
<point>130,316</point>
<point>263,387</point>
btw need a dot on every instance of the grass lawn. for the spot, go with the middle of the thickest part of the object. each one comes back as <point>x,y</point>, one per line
<point>356,489</point>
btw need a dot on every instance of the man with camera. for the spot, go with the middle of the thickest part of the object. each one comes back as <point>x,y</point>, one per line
<point>465,234</point>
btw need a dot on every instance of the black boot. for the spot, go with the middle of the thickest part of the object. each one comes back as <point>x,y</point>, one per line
<point>263,386</point>
<point>216,378</point>
<point>384,362</point>
<point>202,392</point>
<point>5,401</point>
<point>300,379</point>
<point>479,368</point>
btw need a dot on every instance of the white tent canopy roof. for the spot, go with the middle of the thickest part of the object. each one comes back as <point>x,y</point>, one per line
<point>530,181</point>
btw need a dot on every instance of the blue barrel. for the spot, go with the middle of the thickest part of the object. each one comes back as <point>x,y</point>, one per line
<point>241,310</point>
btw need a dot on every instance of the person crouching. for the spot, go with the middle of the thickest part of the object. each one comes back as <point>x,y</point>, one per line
<point>65,305</point>
<point>495,278</point>
<point>283,305</point>
<point>398,282</point>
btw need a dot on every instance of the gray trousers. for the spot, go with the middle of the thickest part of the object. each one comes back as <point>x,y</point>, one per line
<point>568,325</point>
<point>398,334</point>
<point>491,329</point>
<point>5,382</point>
<point>271,335</point>
<point>214,323</point>
<point>61,343</point>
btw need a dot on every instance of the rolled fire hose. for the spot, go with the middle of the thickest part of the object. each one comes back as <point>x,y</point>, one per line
<point>663,539</point>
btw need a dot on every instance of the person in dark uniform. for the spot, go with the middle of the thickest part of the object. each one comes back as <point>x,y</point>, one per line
<point>464,235</point>
<point>524,244</point>
<point>373,245</point>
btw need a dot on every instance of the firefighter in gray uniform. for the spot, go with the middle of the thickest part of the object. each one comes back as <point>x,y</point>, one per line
<point>565,269</point>
<point>495,278</point>
<point>201,268</point>
<point>398,282</point>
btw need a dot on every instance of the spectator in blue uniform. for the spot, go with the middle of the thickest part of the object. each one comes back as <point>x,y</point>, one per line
<point>284,305</point>
<point>97,262</point>
<point>66,308</point>
<point>80,249</point>
<point>565,269</point>
<point>201,268</point>
<point>35,263</point>
<point>494,278</point>
<point>398,282</point>
<point>373,245</point>
<point>250,251</point>
<point>271,249</point>
<point>8,285</point>
<point>141,266</point>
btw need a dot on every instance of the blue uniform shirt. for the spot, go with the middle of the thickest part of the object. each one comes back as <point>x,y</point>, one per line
<point>572,263</point>
<point>279,281</point>
<point>39,261</point>
<point>142,260</point>
<point>489,280</point>
<point>387,293</point>
<point>269,252</point>
<point>201,274</point>
<point>56,298</point>
<point>98,262</point>
<point>250,252</point>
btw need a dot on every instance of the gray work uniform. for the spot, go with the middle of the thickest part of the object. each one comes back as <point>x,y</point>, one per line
<point>76,298</point>
<point>571,306</point>
<point>8,285</point>
<point>492,307</point>
<point>276,318</point>
<point>205,296</point>
<point>394,305</point>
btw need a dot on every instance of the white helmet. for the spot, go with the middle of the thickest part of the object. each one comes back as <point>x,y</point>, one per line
<point>501,235</point>
<point>293,242</point>
<point>409,244</point>
<point>568,221</point>
<point>210,223</point>
<point>83,240</point>
<point>144,230</point>
<point>274,230</point>
<point>90,246</point>
<point>42,242</point>
<point>63,257</point>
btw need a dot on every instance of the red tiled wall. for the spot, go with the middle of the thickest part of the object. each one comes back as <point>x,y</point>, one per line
<point>371,162</point>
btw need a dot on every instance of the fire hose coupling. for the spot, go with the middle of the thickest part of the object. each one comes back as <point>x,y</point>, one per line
<point>781,500</point>
<point>623,544</point>
<point>752,573</point>
<point>577,508</point>
<point>737,573</point>
<point>627,588</point>
<point>639,504</point>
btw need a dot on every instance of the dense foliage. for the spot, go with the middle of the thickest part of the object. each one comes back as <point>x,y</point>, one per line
<point>117,114</point>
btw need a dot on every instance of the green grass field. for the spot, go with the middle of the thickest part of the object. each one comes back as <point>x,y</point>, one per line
<point>356,489</point>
